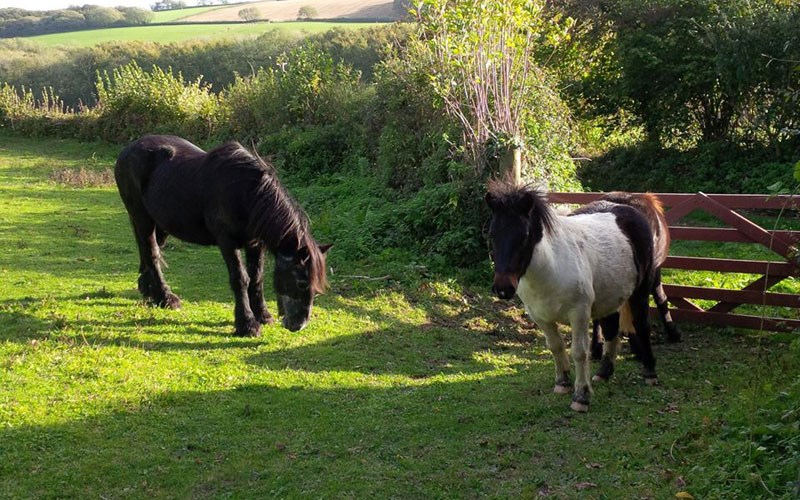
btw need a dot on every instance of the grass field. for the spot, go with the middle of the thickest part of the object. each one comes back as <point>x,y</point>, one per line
<point>405,385</point>
<point>177,33</point>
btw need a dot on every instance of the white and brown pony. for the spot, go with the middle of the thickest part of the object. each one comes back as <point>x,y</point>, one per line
<point>573,269</point>
<point>650,206</point>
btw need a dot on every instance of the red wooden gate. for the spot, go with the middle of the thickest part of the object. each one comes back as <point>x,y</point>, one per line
<point>739,230</point>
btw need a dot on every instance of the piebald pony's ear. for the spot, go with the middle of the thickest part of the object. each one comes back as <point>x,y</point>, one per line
<point>527,202</point>
<point>324,248</point>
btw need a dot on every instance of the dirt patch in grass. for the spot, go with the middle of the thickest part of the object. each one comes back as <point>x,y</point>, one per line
<point>83,178</point>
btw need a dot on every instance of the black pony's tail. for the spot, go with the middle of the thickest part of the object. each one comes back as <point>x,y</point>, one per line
<point>138,163</point>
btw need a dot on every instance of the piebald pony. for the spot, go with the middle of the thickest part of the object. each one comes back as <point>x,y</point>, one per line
<point>572,269</point>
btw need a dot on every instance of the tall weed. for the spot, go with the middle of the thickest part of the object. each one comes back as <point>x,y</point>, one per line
<point>47,115</point>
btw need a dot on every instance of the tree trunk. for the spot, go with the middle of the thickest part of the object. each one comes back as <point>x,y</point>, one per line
<point>511,164</point>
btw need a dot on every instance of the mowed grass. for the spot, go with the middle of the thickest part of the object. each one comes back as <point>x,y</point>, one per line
<point>408,387</point>
<point>178,33</point>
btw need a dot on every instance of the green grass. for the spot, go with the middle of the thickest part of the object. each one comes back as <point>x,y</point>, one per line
<point>742,251</point>
<point>177,33</point>
<point>411,386</point>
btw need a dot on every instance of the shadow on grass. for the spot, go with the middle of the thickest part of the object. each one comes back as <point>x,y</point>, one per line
<point>309,430</point>
<point>475,438</point>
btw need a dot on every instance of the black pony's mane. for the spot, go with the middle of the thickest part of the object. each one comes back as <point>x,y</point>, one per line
<point>507,197</point>
<point>276,218</point>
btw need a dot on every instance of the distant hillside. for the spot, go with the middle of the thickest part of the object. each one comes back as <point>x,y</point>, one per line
<point>16,22</point>
<point>287,10</point>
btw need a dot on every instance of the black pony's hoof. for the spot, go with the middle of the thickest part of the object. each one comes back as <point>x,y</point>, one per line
<point>251,329</point>
<point>265,318</point>
<point>170,301</point>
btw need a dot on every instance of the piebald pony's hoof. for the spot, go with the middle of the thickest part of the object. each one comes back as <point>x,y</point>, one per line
<point>598,378</point>
<point>562,389</point>
<point>651,381</point>
<point>579,407</point>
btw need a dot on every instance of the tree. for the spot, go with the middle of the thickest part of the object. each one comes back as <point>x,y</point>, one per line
<point>249,14</point>
<point>709,70</point>
<point>100,17</point>
<point>136,16</point>
<point>307,12</point>
<point>483,57</point>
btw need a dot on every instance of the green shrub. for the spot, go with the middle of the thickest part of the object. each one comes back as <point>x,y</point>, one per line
<point>701,71</point>
<point>72,72</point>
<point>710,167</point>
<point>134,102</point>
<point>305,88</point>
<point>309,113</point>
<point>412,145</point>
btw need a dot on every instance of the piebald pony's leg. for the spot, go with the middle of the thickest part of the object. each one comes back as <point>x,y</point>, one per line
<point>556,345</point>
<point>610,326</point>
<point>673,334</point>
<point>580,355</point>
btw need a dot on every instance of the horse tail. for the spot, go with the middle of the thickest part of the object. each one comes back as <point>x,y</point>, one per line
<point>659,225</point>
<point>626,319</point>
<point>138,160</point>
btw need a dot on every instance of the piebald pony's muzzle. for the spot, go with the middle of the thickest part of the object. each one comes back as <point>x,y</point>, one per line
<point>505,285</point>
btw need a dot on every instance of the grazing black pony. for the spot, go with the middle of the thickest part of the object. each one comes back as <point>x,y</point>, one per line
<point>650,206</point>
<point>572,269</point>
<point>230,198</point>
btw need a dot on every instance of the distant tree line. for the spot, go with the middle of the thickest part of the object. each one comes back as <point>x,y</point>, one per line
<point>16,22</point>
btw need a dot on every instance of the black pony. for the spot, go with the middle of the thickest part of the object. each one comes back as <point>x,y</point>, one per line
<point>230,198</point>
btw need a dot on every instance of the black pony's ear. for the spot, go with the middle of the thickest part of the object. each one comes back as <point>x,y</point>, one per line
<point>324,248</point>
<point>489,199</point>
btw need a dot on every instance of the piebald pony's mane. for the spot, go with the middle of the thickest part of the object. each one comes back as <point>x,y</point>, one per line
<point>525,200</point>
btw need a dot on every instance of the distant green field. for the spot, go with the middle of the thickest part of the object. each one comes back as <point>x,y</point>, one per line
<point>166,16</point>
<point>168,34</point>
